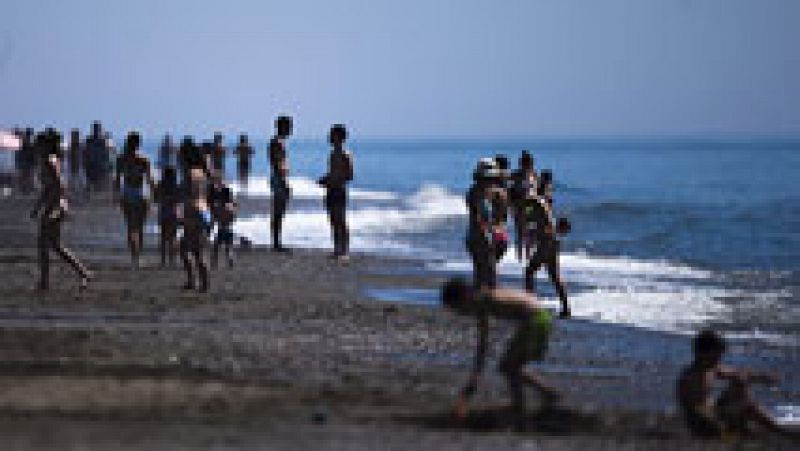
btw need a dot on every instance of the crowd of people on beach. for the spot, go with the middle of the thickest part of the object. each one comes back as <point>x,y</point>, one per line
<point>195,202</point>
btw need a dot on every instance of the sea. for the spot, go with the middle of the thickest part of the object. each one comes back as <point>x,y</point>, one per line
<point>668,234</point>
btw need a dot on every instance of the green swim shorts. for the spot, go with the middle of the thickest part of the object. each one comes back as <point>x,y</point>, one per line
<point>529,343</point>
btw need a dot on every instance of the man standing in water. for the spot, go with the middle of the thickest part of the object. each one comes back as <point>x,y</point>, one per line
<point>280,178</point>
<point>132,169</point>
<point>52,203</point>
<point>340,172</point>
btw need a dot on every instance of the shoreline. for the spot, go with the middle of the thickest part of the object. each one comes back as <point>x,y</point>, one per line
<point>293,343</point>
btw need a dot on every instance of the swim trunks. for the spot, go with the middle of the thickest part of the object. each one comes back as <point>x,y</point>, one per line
<point>530,341</point>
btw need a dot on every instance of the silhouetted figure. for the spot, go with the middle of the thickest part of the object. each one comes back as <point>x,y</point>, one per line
<point>480,221</point>
<point>735,410</point>
<point>98,162</point>
<point>166,153</point>
<point>524,180</point>
<point>529,343</point>
<point>279,182</point>
<point>132,170</point>
<point>244,152</point>
<point>500,207</point>
<point>223,207</point>
<point>51,209</point>
<point>168,196</point>
<point>75,156</point>
<point>340,173</point>
<point>26,160</point>
<point>196,214</point>
<point>218,153</point>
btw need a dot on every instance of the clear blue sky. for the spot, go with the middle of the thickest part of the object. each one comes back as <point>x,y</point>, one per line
<point>414,68</point>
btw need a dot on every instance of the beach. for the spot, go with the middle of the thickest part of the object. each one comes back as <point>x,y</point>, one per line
<point>288,351</point>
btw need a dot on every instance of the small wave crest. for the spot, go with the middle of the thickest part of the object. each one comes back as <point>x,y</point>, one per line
<point>303,188</point>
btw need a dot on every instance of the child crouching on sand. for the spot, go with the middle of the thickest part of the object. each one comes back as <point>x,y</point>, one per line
<point>731,414</point>
<point>528,344</point>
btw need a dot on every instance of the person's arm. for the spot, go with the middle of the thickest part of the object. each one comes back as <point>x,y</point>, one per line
<point>462,405</point>
<point>745,376</point>
<point>148,175</point>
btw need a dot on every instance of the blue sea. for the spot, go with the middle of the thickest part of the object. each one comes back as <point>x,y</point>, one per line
<point>667,234</point>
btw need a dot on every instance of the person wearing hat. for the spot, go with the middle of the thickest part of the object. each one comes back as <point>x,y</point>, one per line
<point>51,209</point>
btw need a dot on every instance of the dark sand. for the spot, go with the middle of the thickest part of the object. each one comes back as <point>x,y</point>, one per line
<point>288,352</point>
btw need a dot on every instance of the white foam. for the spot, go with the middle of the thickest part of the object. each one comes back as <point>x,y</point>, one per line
<point>303,188</point>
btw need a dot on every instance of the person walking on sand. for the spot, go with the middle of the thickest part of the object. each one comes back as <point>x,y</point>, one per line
<point>196,215</point>
<point>539,212</point>
<point>528,344</point>
<point>96,162</point>
<point>223,206</point>
<point>167,195</point>
<point>218,153</point>
<point>523,181</point>
<point>279,182</point>
<point>51,209</point>
<point>132,170</point>
<point>244,152</point>
<point>480,220</point>
<point>340,173</point>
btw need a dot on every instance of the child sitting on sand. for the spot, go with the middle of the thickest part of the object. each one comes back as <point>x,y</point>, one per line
<point>735,408</point>
<point>529,342</point>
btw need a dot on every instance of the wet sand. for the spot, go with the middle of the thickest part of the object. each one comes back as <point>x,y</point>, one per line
<point>289,352</point>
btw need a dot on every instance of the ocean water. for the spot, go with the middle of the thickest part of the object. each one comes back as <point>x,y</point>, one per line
<point>667,234</point>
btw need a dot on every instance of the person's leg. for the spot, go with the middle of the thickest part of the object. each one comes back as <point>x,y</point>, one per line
<point>202,267</point>
<point>519,228</point>
<point>279,202</point>
<point>534,264</point>
<point>339,224</point>
<point>555,277</point>
<point>215,248</point>
<point>44,255</point>
<point>187,264</point>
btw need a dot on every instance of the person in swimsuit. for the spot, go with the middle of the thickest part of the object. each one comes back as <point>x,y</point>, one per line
<point>196,214</point>
<point>538,211</point>
<point>167,195</point>
<point>340,173</point>
<point>479,231</point>
<point>523,181</point>
<point>528,344</point>
<point>223,205</point>
<point>244,151</point>
<point>735,409</point>
<point>280,178</point>
<point>218,152</point>
<point>500,206</point>
<point>51,208</point>
<point>132,170</point>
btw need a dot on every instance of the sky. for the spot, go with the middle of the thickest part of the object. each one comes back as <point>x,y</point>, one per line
<point>406,69</point>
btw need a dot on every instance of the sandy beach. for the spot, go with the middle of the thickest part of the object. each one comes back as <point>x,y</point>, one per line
<point>290,352</point>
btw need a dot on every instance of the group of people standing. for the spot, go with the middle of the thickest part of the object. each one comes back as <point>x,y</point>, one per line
<point>192,195</point>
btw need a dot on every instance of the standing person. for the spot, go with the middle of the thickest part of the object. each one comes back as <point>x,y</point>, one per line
<point>75,155</point>
<point>280,178</point>
<point>523,181</point>
<point>26,161</point>
<point>500,207</point>
<point>96,149</point>
<point>244,152</point>
<point>168,197</point>
<point>480,218</point>
<point>224,208</point>
<point>340,173</point>
<point>166,153</point>
<point>52,203</point>
<point>133,169</point>
<point>196,214</point>
<point>539,211</point>
<point>218,154</point>
<point>529,343</point>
